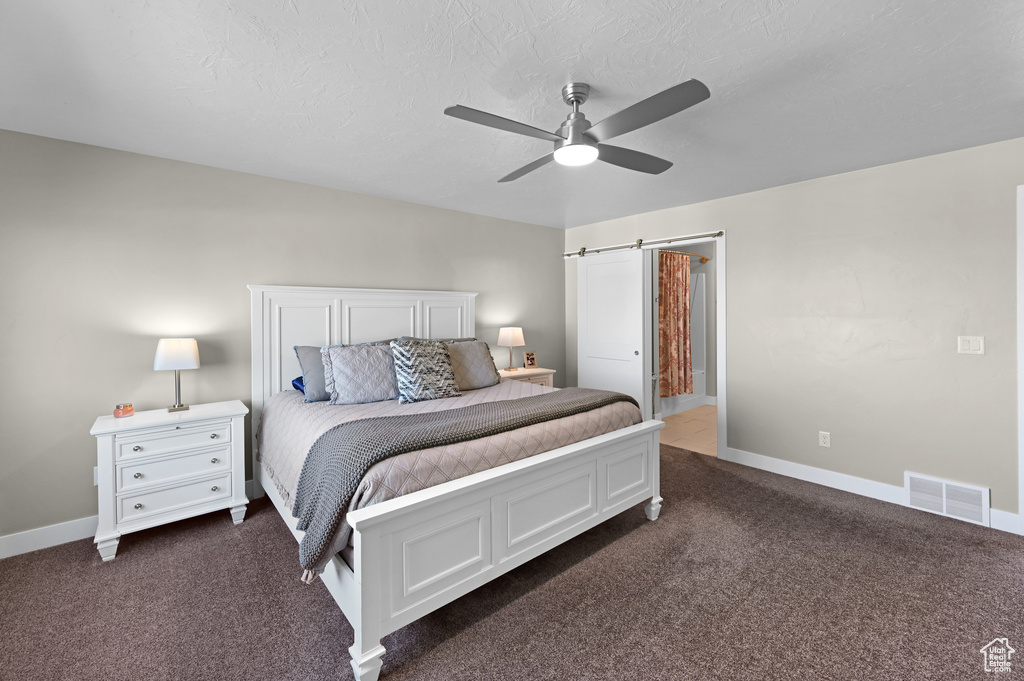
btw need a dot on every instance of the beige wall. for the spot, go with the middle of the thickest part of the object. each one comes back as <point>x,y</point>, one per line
<point>103,252</point>
<point>845,298</point>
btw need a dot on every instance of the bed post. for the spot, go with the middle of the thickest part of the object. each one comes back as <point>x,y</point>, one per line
<point>653,507</point>
<point>366,666</point>
<point>366,650</point>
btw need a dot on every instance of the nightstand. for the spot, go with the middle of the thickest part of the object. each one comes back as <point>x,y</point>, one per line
<point>157,467</point>
<point>532,375</point>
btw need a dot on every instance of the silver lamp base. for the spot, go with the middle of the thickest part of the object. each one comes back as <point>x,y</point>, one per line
<point>178,406</point>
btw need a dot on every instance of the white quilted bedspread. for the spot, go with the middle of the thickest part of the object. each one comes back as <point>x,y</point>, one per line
<point>289,428</point>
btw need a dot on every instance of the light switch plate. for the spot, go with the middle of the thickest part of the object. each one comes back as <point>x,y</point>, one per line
<point>970,345</point>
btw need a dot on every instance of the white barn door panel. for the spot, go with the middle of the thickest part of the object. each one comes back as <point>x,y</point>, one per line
<point>614,341</point>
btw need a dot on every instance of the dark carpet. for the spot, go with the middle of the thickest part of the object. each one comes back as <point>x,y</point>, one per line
<point>746,575</point>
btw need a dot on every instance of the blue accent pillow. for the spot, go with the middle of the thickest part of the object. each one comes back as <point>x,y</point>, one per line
<point>297,384</point>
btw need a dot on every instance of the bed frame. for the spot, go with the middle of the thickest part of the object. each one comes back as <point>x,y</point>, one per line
<point>421,551</point>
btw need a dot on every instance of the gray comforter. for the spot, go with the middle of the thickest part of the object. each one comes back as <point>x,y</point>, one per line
<point>341,456</point>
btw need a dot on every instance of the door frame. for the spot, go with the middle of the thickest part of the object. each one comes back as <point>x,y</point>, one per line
<point>1020,360</point>
<point>720,329</point>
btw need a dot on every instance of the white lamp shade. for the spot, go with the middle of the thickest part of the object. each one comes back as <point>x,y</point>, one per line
<point>511,336</point>
<point>176,353</point>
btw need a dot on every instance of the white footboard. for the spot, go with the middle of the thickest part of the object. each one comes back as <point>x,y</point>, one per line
<point>421,551</point>
<point>416,553</point>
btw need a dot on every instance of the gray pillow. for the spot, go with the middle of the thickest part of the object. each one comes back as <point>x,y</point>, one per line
<point>357,374</point>
<point>311,362</point>
<point>446,340</point>
<point>473,364</point>
<point>423,370</point>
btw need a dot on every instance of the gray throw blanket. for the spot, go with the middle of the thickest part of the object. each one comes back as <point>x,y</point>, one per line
<point>339,459</point>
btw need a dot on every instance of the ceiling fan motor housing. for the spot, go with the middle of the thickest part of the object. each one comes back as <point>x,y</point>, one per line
<point>573,130</point>
<point>575,93</point>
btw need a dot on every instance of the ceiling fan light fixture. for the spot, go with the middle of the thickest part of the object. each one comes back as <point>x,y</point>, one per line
<point>575,154</point>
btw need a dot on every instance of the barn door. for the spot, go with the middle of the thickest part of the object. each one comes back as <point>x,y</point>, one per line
<point>614,317</point>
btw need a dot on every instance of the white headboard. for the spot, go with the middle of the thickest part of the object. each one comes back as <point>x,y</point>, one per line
<point>286,316</point>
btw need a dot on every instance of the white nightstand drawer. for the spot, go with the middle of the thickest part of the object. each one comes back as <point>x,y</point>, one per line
<point>211,460</point>
<point>175,439</point>
<point>539,380</point>
<point>134,506</point>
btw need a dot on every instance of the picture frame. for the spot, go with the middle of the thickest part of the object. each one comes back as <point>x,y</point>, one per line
<point>529,360</point>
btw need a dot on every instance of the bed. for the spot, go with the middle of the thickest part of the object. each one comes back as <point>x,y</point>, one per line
<point>409,555</point>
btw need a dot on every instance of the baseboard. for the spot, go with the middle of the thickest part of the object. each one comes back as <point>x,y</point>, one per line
<point>677,405</point>
<point>45,537</point>
<point>820,476</point>
<point>73,530</point>
<point>1006,521</point>
<point>1001,520</point>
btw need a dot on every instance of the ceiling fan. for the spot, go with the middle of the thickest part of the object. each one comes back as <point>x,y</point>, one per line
<point>578,143</point>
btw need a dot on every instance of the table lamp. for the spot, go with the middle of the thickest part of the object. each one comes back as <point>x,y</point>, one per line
<point>511,336</point>
<point>177,354</point>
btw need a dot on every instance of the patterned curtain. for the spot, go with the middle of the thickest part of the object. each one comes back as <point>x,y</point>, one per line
<point>676,368</point>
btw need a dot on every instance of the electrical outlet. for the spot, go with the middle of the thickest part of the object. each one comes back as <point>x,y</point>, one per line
<point>824,439</point>
<point>95,476</point>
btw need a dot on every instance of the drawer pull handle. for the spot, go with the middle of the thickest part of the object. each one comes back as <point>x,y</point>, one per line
<point>213,436</point>
<point>138,506</point>
<point>137,448</point>
<point>214,488</point>
<point>215,460</point>
<point>137,476</point>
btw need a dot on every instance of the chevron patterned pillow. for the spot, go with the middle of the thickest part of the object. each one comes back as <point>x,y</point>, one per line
<point>423,369</point>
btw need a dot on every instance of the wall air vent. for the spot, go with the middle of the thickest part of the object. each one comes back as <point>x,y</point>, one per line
<point>948,498</point>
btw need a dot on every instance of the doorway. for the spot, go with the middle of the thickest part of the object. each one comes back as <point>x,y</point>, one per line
<point>691,418</point>
<point>617,340</point>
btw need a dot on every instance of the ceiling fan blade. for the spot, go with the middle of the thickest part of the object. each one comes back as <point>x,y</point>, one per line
<point>528,168</point>
<point>651,110</point>
<point>633,160</point>
<point>492,121</point>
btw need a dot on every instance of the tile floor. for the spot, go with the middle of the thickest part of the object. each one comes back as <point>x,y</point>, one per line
<point>696,430</point>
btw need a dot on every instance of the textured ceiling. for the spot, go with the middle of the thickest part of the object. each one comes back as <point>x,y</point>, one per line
<point>350,94</point>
